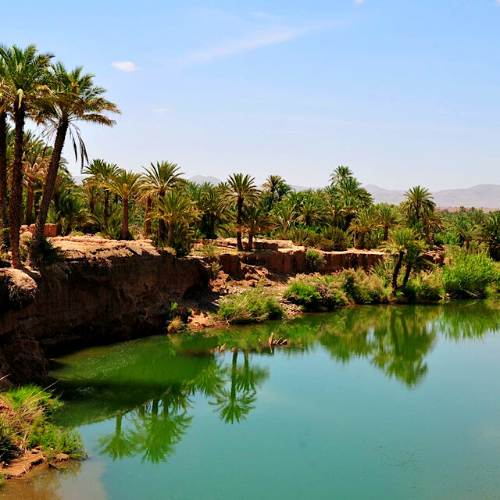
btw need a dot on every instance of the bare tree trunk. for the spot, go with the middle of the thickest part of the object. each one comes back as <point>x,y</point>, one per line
<point>4,217</point>
<point>16,186</point>
<point>50,181</point>
<point>406,277</point>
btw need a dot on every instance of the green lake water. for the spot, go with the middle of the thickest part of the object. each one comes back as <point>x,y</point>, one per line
<point>369,402</point>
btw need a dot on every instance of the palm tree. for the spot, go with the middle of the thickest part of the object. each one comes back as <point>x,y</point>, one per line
<point>274,189</point>
<point>4,107</point>
<point>418,205</point>
<point>76,98</point>
<point>210,202</point>
<point>36,159</point>
<point>25,77</point>
<point>361,226</point>
<point>159,178</point>
<point>387,217</point>
<point>242,192</point>
<point>402,243</point>
<point>127,186</point>
<point>256,220</point>
<point>176,211</point>
<point>99,174</point>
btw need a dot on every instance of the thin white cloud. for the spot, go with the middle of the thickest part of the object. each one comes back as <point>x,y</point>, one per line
<point>126,66</point>
<point>162,110</point>
<point>259,40</point>
<point>361,2</point>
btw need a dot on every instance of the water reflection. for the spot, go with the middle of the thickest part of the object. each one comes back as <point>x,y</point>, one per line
<point>150,387</point>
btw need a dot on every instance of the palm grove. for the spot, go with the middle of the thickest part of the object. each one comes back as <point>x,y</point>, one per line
<point>159,203</point>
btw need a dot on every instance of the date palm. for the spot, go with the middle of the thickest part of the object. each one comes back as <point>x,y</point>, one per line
<point>4,107</point>
<point>361,226</point>
<point>242,191</point>
<point>126,186</point>
<point>418,206</point>
<point>159,178</point>
<point>256,219</point>
<point>387,217</point>
<point>274,189</point>
<point>177,212</point>
<point>25,79</point>
<point>36,160</point>
<point>75,99</point>
<point>99,173</point>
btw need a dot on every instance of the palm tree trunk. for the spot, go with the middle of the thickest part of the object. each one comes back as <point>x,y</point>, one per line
<point>406,277</point>
<point>239,218</point>
<point>124,231</point>
<point>386,233</point>
<point>50,180</point>
<point>4,218</point>
<point>16,186</point>
<point>147,217</point>
<point>397,269</point>
<point>170,237</point>
<point>30,201</point>
<point>106,208</point>
<point>250,241</point>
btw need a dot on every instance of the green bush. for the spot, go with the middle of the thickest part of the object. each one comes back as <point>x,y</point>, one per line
<point>250,306</point>
<point>316,293</point>
<point>364,288</point>
<point>425,288</point>
<point>314,260</point>
<point>470,275</point>
<point>26,422</point>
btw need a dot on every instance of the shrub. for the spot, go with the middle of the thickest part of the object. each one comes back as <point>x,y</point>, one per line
<point>316,293</point>
<point>339,239</point>
<point>425,288</point>
<point>364,288</point>
<point>470,275</point>
<point>43,252</point>
<point>26,422</point>
<point>314,260</point>
<point>250,306</point>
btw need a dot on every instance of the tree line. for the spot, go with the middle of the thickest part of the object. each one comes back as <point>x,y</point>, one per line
<point>158,202</point>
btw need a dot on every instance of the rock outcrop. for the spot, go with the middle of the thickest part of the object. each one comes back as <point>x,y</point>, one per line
<point>101,292</point>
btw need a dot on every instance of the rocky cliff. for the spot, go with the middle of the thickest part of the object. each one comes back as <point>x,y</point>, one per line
<point>101,291</point>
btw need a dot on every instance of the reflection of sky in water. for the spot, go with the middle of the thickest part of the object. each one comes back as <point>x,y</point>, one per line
<point>379,402</point>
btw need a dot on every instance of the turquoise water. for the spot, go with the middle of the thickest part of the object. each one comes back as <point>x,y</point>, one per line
<point>370,402</point>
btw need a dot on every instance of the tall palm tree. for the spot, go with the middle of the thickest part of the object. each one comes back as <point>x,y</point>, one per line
<point>4,107</point>
<point>242,191</point>
<point>127,186</point>
<point>418,206</point>
<point>159,178</point>
<point>35,163</point>
<point>25,76</point>
<point>76,99</point>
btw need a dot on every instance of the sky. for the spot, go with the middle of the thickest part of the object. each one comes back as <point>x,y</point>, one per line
<point>405,92</point>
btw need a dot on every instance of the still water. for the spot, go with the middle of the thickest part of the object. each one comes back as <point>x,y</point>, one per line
<point>368,402</point>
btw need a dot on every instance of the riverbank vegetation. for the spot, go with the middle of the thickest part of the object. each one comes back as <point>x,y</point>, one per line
<point>26,423</point>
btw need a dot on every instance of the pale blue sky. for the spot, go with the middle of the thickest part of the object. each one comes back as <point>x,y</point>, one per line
<point>404,91</point>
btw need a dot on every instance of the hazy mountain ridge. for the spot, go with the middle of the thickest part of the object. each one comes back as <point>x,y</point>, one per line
<point>480,196</point>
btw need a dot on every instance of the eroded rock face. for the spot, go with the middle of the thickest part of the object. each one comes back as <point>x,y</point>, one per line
<point>91,297</point>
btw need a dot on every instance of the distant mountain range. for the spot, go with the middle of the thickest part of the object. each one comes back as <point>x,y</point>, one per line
<point>480,196</point>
